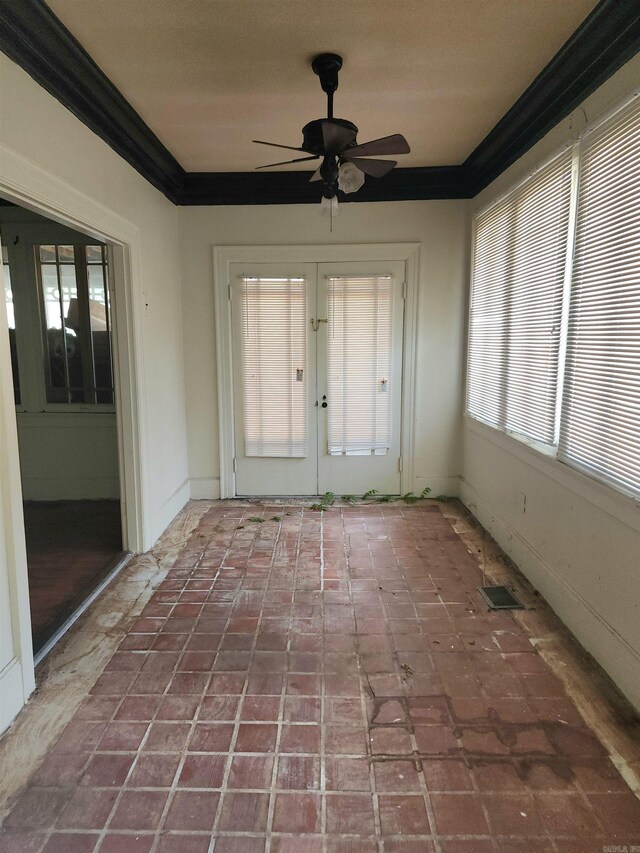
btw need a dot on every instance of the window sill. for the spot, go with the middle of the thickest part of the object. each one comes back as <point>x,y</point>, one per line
<point>623,507</point>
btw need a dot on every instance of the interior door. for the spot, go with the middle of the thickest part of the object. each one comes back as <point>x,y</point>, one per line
<point>274,361</point>
<point>317,361</point>
<point>360,376</point>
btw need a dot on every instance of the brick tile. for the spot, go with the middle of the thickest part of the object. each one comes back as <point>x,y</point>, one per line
<point>255,737</point>
<point>219,708</point>
<point>403,815</point>
<point>154,770</point>
<point>67,842</point>
<point>211,737</point>
<point>167,737</point>
<point>250,771</point>
<point>88,808</point>
<point>260,708</point>
<point>515,814</point>
<point>107,770</point>
<point>345,740</point>
<point>139,810</point>
<point>458,814</point>
<point>297,813</point>
<point>55,772</point>
<point>123,736</point>
<point>347,774</point>
<point>396,776</point>
<point>390,741</point>
<point>298,772</point>
<point>300,738</point>
<point>177,708</point>
<point>192,810</point>
<point>202,771</point>
<point>244,812</point>
<point>301,709</point>
<point>115,842</point>
<point>350,813</point>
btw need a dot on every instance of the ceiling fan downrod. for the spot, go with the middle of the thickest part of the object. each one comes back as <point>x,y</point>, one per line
<point>327,66</point>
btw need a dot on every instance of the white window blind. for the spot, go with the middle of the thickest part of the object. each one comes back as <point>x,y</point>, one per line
<point>360,341</point>
<point>600,420</point>
<point>516,304</point>
<point>274,366</point>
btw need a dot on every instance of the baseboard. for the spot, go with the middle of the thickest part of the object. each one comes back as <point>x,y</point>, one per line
<point>617,657</point>
<point>165,514</point>
<point>204,488</point>
<point>449,486</point>
<point>12,696</point>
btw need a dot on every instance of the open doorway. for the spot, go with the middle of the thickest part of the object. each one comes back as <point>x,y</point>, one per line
<point>59,312</point>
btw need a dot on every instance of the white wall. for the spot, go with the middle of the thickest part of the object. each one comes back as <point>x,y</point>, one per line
<point>46,150</point>
<point>48,155</point>
<point>440,228</point>
<point>577,541</point>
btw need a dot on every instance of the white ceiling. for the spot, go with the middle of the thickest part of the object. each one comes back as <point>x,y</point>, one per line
<point>208,76</point>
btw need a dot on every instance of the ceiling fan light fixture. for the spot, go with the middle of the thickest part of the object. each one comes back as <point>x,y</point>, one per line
<point>350,178</point>
<point>329,206</point>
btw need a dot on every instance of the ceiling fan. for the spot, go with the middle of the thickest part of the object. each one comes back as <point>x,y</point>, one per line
<point>344,162</point>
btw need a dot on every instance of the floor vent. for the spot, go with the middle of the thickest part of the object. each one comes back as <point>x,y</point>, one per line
<point>499,598</point>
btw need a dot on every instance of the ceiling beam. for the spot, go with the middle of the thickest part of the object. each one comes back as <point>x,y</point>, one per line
<point>33,37</point>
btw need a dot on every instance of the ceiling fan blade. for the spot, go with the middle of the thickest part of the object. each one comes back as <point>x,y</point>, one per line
<point>276,145</point>
<point>286,162</point>
<point>316,175</point>
<point>336,137</point>
<point>394,144</point>
<point>375,168</point>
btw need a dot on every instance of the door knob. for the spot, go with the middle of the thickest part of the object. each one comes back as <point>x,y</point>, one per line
<point>324,404</point>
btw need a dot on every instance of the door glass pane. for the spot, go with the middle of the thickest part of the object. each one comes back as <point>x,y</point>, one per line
<point>11,318</point>
<point>359,386</point>
<point>99,321</point>
<point>274,366</point>
<point>62,343</point>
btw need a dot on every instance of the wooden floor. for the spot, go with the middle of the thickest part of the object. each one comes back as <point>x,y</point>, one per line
<point>71,545</point>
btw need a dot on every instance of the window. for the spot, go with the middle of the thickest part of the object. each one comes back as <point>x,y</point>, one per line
<point>600,419</point>
<point>274,366</point>
<point>76,323</point>
<point>516,304</point>
<point>11,319</point>
<point>360,325</point>
<point>554,327</point>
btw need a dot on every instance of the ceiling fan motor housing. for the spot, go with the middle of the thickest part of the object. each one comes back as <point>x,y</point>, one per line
<point>313,136</point>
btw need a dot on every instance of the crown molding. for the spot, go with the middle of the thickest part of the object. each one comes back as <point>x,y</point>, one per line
<point>295,188</point>
<point>33,37</point>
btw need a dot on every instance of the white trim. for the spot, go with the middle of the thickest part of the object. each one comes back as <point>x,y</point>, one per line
<point>223,256</point>
<point>11,692</point>
<point>165,514</point>
<point>614,653</point>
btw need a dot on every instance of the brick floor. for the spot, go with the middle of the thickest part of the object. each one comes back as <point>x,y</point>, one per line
<point>324,682</point>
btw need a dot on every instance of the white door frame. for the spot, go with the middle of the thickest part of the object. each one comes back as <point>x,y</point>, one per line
<point>223,256</point>
<point>25,184</point>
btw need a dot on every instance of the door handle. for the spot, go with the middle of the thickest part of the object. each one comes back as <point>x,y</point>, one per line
<point>324,401</point>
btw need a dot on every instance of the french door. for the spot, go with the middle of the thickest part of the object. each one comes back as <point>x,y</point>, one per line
<point>317,372</point>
